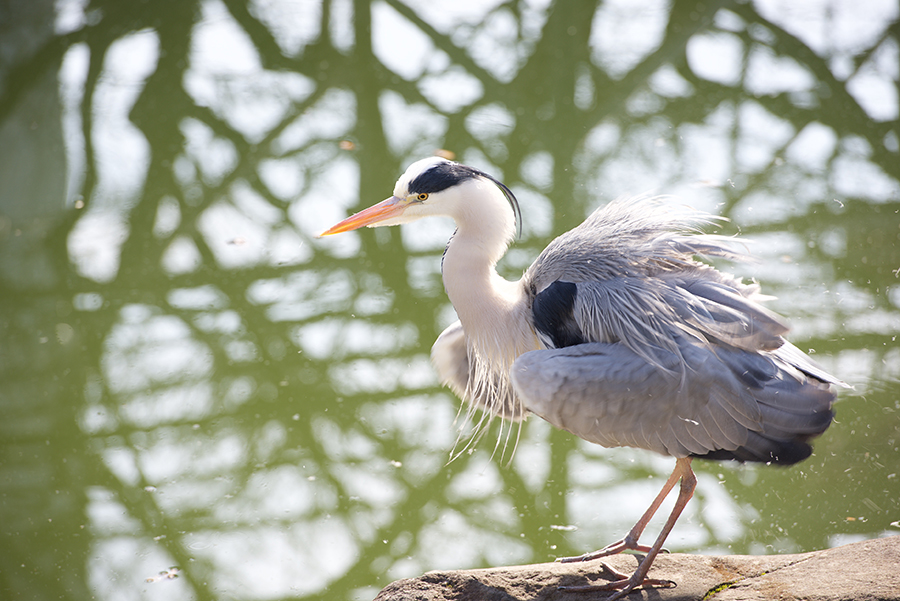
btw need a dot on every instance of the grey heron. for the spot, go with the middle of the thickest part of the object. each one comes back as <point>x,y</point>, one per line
<point>616,333</point>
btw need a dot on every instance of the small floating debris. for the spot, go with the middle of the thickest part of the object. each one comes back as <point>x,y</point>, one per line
<point>170,574</point>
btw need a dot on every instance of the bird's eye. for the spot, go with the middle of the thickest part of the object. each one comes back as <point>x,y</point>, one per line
<point>422,196</point>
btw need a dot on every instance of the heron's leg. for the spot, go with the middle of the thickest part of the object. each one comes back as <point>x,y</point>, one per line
<point>630,542</point>
<point>639,578</point>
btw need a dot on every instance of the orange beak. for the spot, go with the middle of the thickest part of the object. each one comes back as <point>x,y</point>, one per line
<point>386,209</point>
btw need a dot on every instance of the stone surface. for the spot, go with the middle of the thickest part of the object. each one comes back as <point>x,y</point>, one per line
<point>868,570</point>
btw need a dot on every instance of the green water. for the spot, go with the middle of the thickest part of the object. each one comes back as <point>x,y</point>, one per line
<point>193,385</point>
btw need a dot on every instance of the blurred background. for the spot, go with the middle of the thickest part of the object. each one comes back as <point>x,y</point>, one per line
<point>202,400</point>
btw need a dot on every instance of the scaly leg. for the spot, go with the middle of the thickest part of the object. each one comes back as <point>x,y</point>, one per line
<point>626,584</point>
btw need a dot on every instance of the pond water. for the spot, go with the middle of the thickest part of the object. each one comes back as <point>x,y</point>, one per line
<point>203,400</point>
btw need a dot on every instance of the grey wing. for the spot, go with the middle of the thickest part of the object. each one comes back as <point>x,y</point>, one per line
<point>649,348</point>
<point>727,404</point>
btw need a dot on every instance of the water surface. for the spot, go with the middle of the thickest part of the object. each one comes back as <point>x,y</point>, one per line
<point>202,400</point>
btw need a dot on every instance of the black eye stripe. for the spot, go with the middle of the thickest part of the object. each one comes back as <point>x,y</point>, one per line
<point>448,174</point>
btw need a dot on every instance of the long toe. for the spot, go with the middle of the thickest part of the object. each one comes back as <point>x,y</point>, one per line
<point>621,587</point>
<point>612,549</point>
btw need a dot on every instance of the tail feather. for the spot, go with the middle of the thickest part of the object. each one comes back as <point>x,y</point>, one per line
<point>760,449</point>
<point>794,397</point>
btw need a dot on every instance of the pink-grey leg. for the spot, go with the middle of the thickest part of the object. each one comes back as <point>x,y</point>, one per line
<point>625,584</point>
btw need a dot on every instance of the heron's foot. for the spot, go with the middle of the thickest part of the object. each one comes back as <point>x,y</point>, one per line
<point>623,586</point>
<point>617,547</point>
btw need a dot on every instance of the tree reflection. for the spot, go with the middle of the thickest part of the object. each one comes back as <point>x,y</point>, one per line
<point>192,380</point>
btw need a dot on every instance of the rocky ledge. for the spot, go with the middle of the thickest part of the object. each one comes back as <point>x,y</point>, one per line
<point>868,570</point>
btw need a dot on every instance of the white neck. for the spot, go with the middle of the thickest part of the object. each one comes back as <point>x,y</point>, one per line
<point>490,308</point>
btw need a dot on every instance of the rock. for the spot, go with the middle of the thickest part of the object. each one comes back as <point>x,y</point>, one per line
<point>868,570</point>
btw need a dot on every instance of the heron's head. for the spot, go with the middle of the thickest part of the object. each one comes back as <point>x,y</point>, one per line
<point>432,186</point>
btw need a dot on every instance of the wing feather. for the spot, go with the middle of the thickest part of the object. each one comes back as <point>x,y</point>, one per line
<point>609,395</point>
